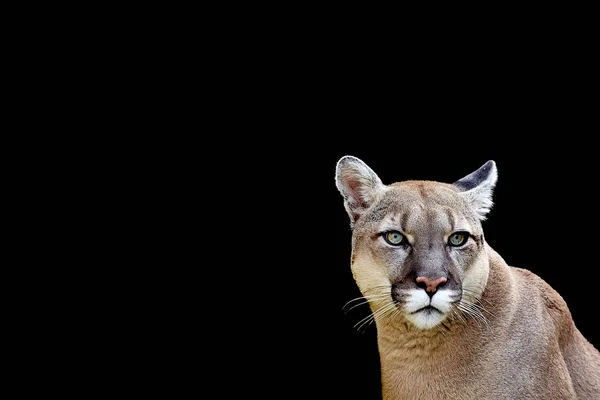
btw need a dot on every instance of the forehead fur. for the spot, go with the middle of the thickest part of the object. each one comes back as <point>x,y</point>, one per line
<point>404,196</point>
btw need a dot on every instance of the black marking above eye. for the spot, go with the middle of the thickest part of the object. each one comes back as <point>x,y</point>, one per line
<point>458,239</point>
<point>394,238</point>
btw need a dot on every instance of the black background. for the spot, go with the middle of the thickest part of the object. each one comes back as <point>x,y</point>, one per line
<point>544,219</point>
<point>424,121</point>
<point>292,105</point>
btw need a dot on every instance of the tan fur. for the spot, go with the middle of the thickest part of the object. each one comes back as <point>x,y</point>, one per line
<point>528,346</point>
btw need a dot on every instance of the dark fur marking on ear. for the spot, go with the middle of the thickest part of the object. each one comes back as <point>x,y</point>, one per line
<point>472,180</point>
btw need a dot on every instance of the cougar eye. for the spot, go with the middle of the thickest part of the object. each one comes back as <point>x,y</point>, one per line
<point>394,238</point>
<point>458,238</point>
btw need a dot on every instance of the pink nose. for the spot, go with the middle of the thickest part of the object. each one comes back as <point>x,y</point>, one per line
<point>431,284</point>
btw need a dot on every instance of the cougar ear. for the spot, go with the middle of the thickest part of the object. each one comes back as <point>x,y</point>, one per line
<point>358,184</point>
<point>478,187</point>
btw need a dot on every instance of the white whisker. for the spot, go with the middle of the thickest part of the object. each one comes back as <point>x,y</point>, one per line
<point>475,311</point>
<point>365,322</point>
<point>365,300</point>
<point>458,315</point>
<point>473,294</point>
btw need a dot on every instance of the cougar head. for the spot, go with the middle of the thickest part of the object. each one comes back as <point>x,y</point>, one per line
<point>418,247</point>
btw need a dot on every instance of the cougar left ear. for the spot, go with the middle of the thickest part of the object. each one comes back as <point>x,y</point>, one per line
<point>477,188</point>
<point>358,184</point>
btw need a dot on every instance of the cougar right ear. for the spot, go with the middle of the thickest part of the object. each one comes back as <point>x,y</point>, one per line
<point>358,184</point>
<point>478,186</point>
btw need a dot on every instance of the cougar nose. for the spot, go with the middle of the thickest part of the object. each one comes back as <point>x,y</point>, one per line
<point>430,285</point>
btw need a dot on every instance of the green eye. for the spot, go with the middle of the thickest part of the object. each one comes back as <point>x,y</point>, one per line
<point>458,238</point>
<point>394,238</point>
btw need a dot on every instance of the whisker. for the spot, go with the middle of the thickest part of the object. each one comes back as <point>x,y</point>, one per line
<point>362,321</point>
<point>369,318</point>
<point>363,327</point>
<point>475,301</point>
<point>484,319</point>
<point>458,315</point>
<point>440,330</point>
<point>366,297</point>
<point>474,306</point>
<point>365,300</point>
<point>385,311</point>
<point>385,308</point>
<point>474,311</point>
<point>474,295</point>
<point>395,313</point>
<point>365,322</point>
<point>468,302</point>
<point>469,313</point>
<point>479,305</point>
<point>389,308</point>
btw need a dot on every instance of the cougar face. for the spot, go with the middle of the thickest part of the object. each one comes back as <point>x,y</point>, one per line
<point>418,245</point>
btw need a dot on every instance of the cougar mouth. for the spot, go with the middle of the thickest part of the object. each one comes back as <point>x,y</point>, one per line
<point>428,309</point>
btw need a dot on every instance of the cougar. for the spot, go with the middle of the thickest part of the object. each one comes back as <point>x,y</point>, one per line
<point>453,319</point>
